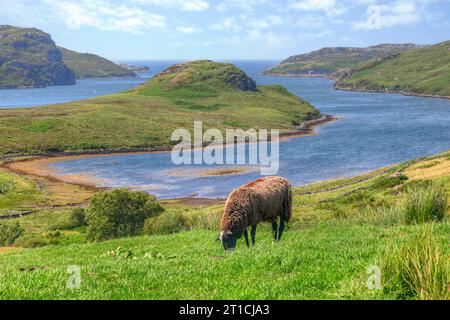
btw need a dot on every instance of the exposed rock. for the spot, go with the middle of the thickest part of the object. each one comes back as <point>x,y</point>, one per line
<point>30,58</point>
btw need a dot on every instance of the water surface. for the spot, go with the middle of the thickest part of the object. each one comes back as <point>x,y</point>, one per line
<point>377,130</point>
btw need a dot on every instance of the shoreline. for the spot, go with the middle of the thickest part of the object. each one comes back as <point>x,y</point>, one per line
<point>335,87</point>
<point>38,165</point>
<point>403,93</point>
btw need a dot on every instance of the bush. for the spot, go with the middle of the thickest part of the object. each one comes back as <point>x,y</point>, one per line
<point>425,202</point>
<point>78,217</point>
<point>207,221</point>
<point>32,241</point>
<point>417,270</point>
<point>9,232</point>
<point>6,187</point>
<point>119,213</point>
<point>166,223</point>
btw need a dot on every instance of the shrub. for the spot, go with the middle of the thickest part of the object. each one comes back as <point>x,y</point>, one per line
<point>6,187</point>
<point>32,241</point>
<point>9,232</point>
<point>119,213</point>
<point>207,221</point>
<point>78,217</point>
<point>166,223</point>
<point>386,182</point>
<point>416,270</point>
<point>425,202</point>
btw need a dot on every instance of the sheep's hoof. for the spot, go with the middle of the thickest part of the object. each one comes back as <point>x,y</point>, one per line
<point>275,241</point>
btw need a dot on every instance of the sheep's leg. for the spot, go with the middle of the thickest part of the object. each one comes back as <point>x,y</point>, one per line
<point>274,230</point>
<point>246,238</point>
<point>281,229</point>
<point>253,234</point>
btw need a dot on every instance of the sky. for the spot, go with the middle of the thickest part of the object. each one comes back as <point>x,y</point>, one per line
<point>228,29</point>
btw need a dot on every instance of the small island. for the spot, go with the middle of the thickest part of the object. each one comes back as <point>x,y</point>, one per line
<point>144,117</point>
<point>134,68</point>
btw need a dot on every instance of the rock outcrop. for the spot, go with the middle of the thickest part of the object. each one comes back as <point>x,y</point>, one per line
<point>30,58</point>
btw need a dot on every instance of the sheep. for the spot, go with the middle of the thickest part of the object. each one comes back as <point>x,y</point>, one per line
<point>262,200</point>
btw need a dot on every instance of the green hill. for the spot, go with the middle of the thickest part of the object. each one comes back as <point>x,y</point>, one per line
<point>86,65</point>
<point>30,58</point>
<point>326,61</point>
<point>220,95</point>
<point>420,71</point>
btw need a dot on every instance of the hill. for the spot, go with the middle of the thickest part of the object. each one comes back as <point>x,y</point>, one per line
<point>30,58</point>
<point>86,65</point>
<point>423,71</point>
<point>326,61</point>
<point>339,229</point>
<point>220,95</point>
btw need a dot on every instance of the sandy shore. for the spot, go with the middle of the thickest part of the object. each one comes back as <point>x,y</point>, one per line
<point>40,166</point>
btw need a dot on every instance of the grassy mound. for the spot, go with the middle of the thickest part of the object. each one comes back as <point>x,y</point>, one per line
<point>220,95</point>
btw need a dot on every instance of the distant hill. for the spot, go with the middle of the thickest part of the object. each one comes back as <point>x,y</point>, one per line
<point>144,117</point>
<point>423,71</point>
<point>326,61</point>
<point>30,58</point>
<point>86,65</point>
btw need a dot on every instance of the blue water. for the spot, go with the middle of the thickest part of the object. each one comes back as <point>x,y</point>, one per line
<point>84,89</point>
<point>376,130</point>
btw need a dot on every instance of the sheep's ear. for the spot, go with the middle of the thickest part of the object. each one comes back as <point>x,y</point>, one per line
<point>218,238</point>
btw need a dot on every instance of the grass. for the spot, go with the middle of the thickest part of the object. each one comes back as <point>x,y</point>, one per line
<point>425,203</point>
<point>17,192</point>
<point>418,268</point>
<point>420,71</point>
<point>339,229</point>
<point>87,65</point>
<point>146,116</point>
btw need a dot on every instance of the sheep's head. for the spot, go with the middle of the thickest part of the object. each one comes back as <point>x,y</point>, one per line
<point>228,240</point>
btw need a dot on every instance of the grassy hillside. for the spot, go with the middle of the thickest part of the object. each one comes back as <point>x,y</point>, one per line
<point>86,65</point>
<point>30,58</point>
<point>339,229</point>
<point>326,61</point>
<point>421,71</point>
<point>220,95</point>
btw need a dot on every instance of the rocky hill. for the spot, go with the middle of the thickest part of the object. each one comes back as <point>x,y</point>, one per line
<point>326,61</point>
<point>30,58</point>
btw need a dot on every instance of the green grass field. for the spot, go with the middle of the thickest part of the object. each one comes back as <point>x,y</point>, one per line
<point>339,229</point>
<point>421,71</point>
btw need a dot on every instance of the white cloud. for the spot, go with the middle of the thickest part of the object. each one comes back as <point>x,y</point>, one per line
<point>238,22</point>
<point>389,15</point>
<point>188,29</point>
<point>104,15</point>
<point>247,5</point>
<point>184,5</point>
<point>229,23</point>
<point>330,7</point>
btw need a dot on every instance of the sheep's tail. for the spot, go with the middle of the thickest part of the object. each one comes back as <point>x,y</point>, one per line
<point>288,205</point>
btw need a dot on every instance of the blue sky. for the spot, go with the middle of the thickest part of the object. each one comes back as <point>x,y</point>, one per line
<point>228,29</point>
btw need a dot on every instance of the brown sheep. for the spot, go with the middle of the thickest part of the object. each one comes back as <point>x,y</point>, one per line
<point>265,199</point>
